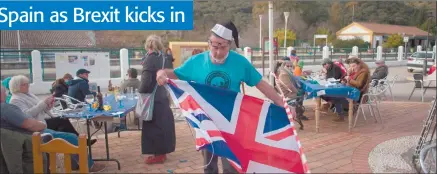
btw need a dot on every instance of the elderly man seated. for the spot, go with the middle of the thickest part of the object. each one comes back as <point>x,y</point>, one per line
<point>40,110</point>
<point>380,72</point>
<point>16,137</point>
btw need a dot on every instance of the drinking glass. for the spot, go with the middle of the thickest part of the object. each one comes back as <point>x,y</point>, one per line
<point>130,91</point>
<point>120,97</point>
<point>89,99</point>
<point>137,94</point>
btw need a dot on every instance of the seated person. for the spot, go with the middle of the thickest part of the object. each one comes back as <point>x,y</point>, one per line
<point>290,87</point>
<point>60,88</point>
<point>297,64</point>
<point>359,80</point>
<point>22,118</point>
<point>132,80</point>
<point>380,72</point>
<point>40,110</point>
<point>332,70</point>
<point>18,157</point>
<point>79,87</point>
<point>5,83</point>
<point>340,64</point>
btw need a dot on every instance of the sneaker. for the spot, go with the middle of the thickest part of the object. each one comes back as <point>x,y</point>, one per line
<point>97,168</point>
<point>158,159</point>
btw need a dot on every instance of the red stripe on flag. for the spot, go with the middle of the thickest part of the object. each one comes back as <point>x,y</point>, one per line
<point>286,133</point>
<point>189,103</point>
<point>201,141</point>
<point>214,133</point>
<point>245,148</point>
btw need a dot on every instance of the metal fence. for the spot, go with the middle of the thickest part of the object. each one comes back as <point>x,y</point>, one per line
<point>15,62</point>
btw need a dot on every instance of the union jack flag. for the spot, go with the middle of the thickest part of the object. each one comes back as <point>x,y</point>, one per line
<point>253,134</point>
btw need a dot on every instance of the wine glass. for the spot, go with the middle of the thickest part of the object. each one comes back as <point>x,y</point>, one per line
<point>121,96</point>
<point>89,99</point>
<point>130,92</point>
<point>136,94</point>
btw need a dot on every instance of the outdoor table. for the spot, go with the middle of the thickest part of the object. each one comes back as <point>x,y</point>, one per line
<point>339,90</point>
<point>127,106</point>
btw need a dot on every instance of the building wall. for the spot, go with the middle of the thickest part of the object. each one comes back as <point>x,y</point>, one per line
<point>354,30</point>
<point>366,38</point>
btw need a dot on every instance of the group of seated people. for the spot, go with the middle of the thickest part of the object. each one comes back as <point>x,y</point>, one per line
<point>24,113</point>
<point>357,75</point>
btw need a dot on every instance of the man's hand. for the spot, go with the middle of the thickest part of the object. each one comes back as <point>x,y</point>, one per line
<point>161,77</point>
<point>49,102</point>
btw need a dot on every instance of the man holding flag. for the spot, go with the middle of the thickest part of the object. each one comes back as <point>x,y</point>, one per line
<point>223,68</point>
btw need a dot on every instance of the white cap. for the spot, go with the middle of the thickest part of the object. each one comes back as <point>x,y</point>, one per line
<point>223,32</point>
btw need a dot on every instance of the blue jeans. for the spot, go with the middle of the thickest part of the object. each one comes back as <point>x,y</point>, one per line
<point>71,138</point>
<point>338,104</point>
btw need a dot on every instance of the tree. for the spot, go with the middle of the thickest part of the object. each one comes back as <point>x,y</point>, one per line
<point>335,15</point>
<point>291,36</point>
<point>351,5</point>
<point>338,43</point>
<point>393,41</point>
<point>259,8</point>
<point>432,26</point>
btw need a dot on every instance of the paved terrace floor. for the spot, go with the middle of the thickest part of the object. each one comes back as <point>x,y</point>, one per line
<point>333,150</point>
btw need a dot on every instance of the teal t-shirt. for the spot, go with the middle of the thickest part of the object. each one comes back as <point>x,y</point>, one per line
<point>228,75</point>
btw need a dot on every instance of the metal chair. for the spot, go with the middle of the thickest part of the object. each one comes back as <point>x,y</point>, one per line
<point>371,99</point>
<point>391,85</point>
<point>73,107</point>
<point>418,83</point>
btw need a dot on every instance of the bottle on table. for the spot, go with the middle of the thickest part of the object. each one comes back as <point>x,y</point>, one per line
<point>110,88</point>
<point>99,99</point>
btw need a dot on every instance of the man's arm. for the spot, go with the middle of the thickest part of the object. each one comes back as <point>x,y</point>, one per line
<point>32,111</point>
<point>13,115</point>
<point>33,125</point>
<point>169,73</point>
<point>270,92</point>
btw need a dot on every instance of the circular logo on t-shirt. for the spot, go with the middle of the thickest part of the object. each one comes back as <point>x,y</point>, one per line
<point>218,79</point>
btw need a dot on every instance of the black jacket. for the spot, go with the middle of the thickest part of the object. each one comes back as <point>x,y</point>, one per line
<point>58,90</point>
<point>79,88</point>
<point>334,72</point>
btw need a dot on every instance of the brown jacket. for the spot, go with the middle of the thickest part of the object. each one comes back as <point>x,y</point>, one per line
<point>285,84</point>
<point>361,81</point>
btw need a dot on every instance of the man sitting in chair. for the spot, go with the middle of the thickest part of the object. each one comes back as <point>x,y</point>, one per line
<point>14,123</point>
<point>290,87</point>
<point>380,72</point>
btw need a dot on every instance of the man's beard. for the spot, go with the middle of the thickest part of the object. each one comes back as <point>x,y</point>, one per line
<point>219,61</point>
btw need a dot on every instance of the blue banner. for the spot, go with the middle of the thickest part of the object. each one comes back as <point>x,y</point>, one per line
<point>97,15</point>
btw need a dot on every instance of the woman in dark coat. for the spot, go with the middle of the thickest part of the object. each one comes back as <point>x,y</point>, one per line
<point>60,87</point>
<point>158,136</point>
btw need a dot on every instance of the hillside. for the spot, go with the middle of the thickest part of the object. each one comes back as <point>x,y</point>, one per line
<point>305,18</point>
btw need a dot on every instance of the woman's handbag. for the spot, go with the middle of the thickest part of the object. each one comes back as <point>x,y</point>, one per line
<point>144,107</point>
